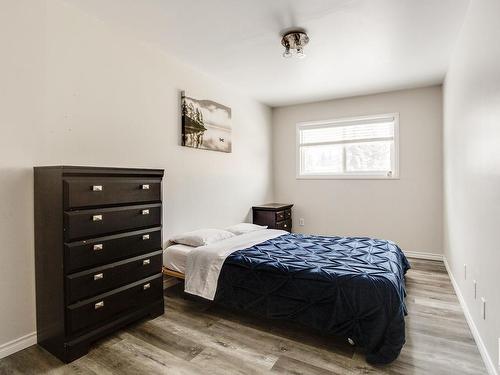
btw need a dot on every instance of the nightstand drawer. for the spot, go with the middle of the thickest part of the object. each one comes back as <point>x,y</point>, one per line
<point>284,225</point>
<point>288,214</point>
<point>105,307</point>
<point>280,215</point>
<point>105,191</point>
<point>90,253</point>
<point>95,222</point>
<point>98,280</point>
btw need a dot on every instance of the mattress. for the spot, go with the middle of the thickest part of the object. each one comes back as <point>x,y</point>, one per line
<point>175,257</point>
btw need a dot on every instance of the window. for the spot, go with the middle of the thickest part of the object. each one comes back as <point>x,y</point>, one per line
<point>362,147</point>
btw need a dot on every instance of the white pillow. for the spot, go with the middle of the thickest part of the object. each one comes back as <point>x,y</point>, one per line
<point>245,228</point>
<point>202,237</point>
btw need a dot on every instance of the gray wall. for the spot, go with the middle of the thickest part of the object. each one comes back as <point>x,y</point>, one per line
<point>408,210</point>
<point>77,92</point>
<point>472,166</point>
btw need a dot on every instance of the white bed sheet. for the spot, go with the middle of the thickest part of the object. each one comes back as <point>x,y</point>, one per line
<point>175,257</point>
<point>204,263</point>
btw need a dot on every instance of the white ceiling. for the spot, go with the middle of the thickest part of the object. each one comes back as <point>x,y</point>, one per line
<point>357,46</point>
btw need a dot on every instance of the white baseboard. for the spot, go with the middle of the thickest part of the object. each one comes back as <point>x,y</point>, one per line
<point>427,256</point>
<point>17,344</point>
<point>488,362</point>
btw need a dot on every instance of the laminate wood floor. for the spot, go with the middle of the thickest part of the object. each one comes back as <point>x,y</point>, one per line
<point>194,337</point>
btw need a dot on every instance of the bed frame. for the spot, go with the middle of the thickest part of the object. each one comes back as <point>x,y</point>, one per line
<point>169,272</point>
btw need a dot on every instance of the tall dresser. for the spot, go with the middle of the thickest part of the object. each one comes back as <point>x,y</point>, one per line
<point>98,253</point>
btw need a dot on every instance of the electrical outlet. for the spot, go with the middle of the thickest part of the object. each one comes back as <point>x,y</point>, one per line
<point>301,222</point>
<point>465,271</point>
<point>475,289</point>
<point>483,308</point>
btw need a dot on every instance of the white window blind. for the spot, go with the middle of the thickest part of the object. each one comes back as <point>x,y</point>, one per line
<point>363,147</point>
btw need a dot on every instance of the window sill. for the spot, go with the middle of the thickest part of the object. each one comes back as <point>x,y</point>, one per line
<point>342,177</point>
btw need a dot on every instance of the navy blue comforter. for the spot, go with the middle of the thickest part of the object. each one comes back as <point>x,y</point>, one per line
<point>348,286</point>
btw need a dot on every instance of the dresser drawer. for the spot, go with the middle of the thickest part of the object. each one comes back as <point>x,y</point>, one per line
<point>98,280</point>
<point>95,222</point>
<point>284,225</point>
<point>108,306</point>
<point>288,214</point>
<point>102,191</point>
<point>90,253</point>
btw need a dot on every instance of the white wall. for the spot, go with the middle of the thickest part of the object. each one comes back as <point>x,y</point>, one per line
<point>472,166</point>
<point>76,92</point>
<point>21,90</point>
<point>408,210</point>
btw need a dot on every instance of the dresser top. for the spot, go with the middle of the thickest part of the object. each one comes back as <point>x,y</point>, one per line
<point>72,169</point>
<point>273,206</point>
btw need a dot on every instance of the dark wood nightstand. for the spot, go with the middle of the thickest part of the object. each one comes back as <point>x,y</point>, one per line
<point>274,215</point>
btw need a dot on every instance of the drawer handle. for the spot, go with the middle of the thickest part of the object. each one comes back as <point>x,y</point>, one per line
<point>145,262</point>
<point>145,212</point>
<point>145,187</point>
<point>99,305</point>
<point>98,247</point>
<point>284,225</point>
<point>145,237</point>
<point>96,187</point>
<point>98,276</point>
<point>97,218</point>
<point>146,286</point>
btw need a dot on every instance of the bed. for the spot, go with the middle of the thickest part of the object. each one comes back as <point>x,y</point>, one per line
<point>346,286</point>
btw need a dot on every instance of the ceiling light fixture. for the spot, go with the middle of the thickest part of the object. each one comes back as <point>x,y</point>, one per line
<point>294,42</point>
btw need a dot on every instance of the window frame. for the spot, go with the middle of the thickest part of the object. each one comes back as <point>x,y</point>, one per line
<point>355,175</point>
